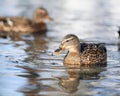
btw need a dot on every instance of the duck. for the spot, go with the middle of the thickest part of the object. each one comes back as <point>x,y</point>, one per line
<point>81,53</point>
<point>25,25</point>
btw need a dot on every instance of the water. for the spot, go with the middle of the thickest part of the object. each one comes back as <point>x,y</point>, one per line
<point>27,66</point>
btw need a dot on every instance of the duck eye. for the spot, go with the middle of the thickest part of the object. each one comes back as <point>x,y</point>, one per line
<point>67,40</point>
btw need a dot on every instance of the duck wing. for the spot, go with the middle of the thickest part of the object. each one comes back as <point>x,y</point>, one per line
<point>92,53</point>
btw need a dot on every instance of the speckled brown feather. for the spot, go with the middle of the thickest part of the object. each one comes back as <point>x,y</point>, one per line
<point>93,54</point>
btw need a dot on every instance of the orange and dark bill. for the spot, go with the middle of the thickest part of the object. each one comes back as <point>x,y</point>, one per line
<point>49,18</point>
<point>57,51</point>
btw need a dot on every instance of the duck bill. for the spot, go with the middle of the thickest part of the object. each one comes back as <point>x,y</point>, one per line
<point>49,18</point>
<point>58,51</point>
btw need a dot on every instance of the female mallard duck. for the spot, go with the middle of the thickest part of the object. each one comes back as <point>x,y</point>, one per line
<point>24,25</point>
<point>82,53</point>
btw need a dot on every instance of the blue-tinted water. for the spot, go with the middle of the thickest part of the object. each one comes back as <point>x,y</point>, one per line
<point>27,66</point>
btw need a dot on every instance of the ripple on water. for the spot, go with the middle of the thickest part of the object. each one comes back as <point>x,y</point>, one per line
<point>27,66</point>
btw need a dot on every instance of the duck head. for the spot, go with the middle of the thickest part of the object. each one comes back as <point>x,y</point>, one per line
<point>70,42</point>
<point>40,15</point>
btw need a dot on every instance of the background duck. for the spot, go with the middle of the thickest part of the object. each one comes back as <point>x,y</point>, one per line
<point>25,25</point>
<point>82,53</point>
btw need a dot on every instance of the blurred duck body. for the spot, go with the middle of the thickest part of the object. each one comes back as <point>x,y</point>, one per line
<point>25,25</point>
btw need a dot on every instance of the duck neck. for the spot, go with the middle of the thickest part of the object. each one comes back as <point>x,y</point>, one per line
<point>37,21</point>
<point>75,50</point>
<point>73,56</point>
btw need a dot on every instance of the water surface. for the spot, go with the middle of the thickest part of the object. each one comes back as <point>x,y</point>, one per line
<point>27,66</point>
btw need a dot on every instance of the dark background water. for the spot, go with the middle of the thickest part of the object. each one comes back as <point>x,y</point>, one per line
<point>27,67</point>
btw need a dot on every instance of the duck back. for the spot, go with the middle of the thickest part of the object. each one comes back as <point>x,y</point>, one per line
<point>93,53</point>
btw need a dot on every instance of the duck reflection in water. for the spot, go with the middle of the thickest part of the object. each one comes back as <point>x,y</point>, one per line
<point>33,87</point>
<point>70,83</point>
<point>76,73</point>
<point>36,47</point>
